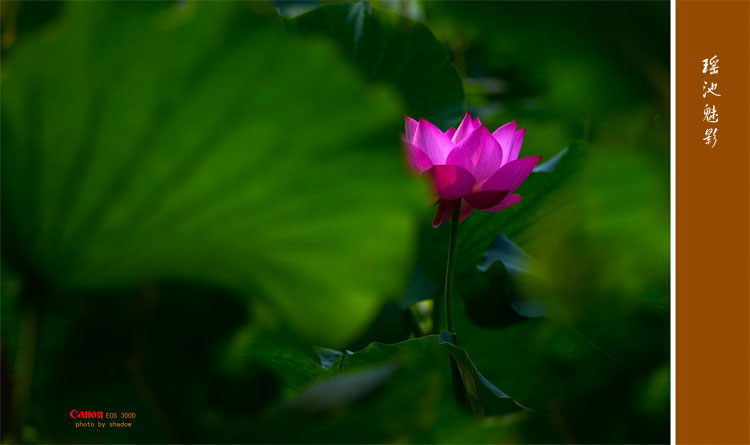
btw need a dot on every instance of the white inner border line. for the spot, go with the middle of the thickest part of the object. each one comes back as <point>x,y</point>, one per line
<point>672,225</point>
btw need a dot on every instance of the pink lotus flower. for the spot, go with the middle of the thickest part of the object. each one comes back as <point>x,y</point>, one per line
<point>470,163</point>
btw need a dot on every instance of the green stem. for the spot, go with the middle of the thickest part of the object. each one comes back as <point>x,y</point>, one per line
<point>450,267</point>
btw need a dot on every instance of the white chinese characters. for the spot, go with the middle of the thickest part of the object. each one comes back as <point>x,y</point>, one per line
<point>711,65</point>
<point>710,114</point>
<point>710,138</point>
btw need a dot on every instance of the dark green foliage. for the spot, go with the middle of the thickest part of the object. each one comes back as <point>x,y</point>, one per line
<point>392,49</point>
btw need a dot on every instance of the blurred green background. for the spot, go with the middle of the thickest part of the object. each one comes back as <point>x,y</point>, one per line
<point>207,220</point>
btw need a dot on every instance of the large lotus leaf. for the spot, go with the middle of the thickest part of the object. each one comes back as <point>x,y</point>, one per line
<point>390,48</point>
<point>433,352</point>
<point>151,141</point>
<point>384,393</point>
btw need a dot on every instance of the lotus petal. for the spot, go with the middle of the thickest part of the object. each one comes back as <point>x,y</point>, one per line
<point>504,136</point>
<point>465,129</point>
<point>432,141</point>
<point>511,175</point>
<point>485,199</point>
<point>411,129</point>
<point>505,203</point>
<point>479,153</point>
<point>517,141</point>
<point>417,159</point>
<point>451,181</point>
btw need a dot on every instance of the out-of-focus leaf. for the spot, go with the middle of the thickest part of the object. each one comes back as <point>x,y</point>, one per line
<point>390,48</point>
<point>20,19</point>
<point>488,297</point>
<point>502,249</point>
<point>144,142</point>
<point>529,308</point>
<point>343,390</point>
<point>519,265</point>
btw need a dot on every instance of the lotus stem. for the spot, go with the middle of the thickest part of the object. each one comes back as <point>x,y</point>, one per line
<point>449,269</point>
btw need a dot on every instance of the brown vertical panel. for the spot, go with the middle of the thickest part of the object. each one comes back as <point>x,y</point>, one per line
<point>713,226</point>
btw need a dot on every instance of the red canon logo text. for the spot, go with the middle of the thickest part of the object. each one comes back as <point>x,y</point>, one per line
<point>75,414</point>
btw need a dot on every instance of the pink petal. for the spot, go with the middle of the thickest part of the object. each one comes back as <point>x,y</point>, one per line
<point>485,199</point>
<point>465,129</point>
<point>411,128</point>
<point>444,211</point>
<point>511,175</point>
<point>451,131</point>
<point>451,181</point>
<point>418,160</point>
<point>479,153</point>
<point>504,136</point>
<point>466,210</point>
<point>504,204</point>
<point>432,141</point>
<point>517,141</point>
